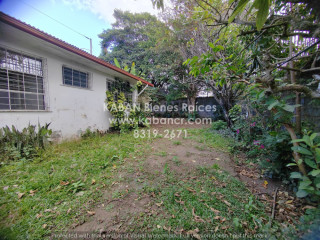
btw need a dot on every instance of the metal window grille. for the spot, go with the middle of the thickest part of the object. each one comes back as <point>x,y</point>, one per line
<point>111,85</point>
<point>21,81</point>
<point>75,78</point>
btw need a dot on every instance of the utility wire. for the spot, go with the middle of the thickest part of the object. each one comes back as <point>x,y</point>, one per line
<point>54,19</point>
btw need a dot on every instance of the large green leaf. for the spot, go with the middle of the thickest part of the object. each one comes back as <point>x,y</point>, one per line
<point>295,175</point>
<point>301,193</point>
<point>301,150</point>
<point>116,63</point>
<point>272,105</point>
<point>314,172</point>
<point>241,5</point>
<point>263,6</point>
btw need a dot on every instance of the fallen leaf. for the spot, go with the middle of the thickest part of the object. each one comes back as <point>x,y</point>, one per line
<point>44,226</point>
<point>32,192</point>
<point>48,210</point>
<point>181,202</point>
<point>39,215</point>
<point>91,213</point>
<point>80,194</point>
<point>289,201</point>
<point>216,217</point>
<point>93,181</point>
<point>196,217</point>
<point>158,226</point>
<point>20,195</point>
<point>177,195</point>
<point>216,229</point>
<point>5,188</point>
<point>308,207</point>
<point>159,204</point>
<point>62,183</point>
<point>153,194</point>
<point>194,233</point>
<point>191,190</point>
<point>168,229</point>
<point>265,184</point>
<point>213,210</point>
<point>227,203</point>
<point>68,210</point>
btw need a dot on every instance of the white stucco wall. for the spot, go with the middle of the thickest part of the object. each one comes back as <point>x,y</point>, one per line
<point>70,109</point>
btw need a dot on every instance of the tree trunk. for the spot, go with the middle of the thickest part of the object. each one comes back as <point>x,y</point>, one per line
<point>192,104</point>
<point>298,95</point>
<point>296,155</point>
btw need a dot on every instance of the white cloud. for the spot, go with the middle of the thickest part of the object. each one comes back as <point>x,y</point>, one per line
<point>104,8</point>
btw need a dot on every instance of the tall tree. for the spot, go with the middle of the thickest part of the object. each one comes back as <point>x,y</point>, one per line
<point>134,38</point>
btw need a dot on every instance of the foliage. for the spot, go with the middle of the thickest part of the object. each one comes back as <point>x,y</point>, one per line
<point>309,149</point>
<point>90,134</point>
<point>262,14</point>
<point>125,117</point>
<point>218,125</point>
<point>24,144</point>
<point>134,39</point>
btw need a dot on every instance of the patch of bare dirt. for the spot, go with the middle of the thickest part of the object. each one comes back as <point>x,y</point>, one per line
<point>124,201</point>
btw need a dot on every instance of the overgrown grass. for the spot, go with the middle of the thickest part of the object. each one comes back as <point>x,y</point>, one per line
<point>211,138</point>
<point>208,202</point>
<point>59,187</point>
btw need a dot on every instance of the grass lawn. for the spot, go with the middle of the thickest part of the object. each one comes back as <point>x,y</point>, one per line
<point>61,188</point>
<point>58,188</point>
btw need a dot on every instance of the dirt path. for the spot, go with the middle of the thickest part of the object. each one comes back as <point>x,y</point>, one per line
<point>125,199</point>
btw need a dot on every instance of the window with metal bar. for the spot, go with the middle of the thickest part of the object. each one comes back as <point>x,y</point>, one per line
<point>75,78</point>
<point>21,81</point>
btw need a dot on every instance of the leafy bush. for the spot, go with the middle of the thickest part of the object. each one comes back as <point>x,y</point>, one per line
<point>25,144</point>
<point>125,117</point>
<point>309,148</point>
<point>219,125</point>
<point>90,134</point>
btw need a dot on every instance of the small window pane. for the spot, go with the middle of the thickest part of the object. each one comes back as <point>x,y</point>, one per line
<point>67,76</point>
<point>3,79</point>
<point>31,101</point>
<point>30,83</point>
<point>76,78</point>
<point>41,102</point>
<point>4,100</point>
<point>17,100</point>
<point>16,81</point>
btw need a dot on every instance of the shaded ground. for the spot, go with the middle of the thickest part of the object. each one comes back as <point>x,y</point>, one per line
<point>128,198</point>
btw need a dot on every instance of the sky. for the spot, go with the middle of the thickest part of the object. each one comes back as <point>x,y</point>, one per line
<point>87,17</point>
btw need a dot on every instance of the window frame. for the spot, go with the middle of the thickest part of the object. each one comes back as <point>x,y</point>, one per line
<point>88,74</point>
<point>30,72</point>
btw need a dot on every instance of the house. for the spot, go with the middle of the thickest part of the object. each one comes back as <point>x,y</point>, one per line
<point>46,80</point>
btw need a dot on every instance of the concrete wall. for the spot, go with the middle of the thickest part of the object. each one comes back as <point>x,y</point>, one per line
<point>70,109</point>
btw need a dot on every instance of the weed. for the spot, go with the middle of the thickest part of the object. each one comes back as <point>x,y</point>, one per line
<point>76,187</point>
<point>176,143</point>
<point>162,154</point>
<point>176,160</point>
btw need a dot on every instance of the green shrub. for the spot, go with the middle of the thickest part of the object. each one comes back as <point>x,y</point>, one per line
<point>25,144</point>
<point>219,125</point>
<point>90,134</point>
<point>309,148</point>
